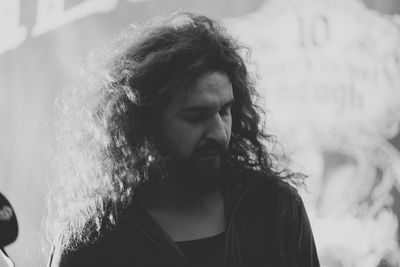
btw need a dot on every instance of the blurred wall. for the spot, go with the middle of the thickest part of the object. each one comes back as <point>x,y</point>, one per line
<point>43,43</point>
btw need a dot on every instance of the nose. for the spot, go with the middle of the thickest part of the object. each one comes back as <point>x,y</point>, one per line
<point>219,129</point>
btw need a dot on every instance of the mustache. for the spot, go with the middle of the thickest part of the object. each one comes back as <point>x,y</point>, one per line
<point>211,147</point>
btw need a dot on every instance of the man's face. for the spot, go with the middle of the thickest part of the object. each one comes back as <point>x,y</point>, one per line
<point>196,126</point>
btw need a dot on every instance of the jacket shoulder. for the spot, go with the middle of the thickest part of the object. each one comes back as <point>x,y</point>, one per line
<point>296,240</point>
<point>282,190</point>
<point>287,194</point>
<point>82,254</point>
<point>124,245</point>
<point>276,196</point>
<point>63,257</point>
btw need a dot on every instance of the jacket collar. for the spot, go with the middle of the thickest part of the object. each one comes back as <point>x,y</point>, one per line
<point>232,193</point>
<point>150,228</point>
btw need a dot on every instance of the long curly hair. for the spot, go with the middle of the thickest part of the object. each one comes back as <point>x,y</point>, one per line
<point>106,137</point>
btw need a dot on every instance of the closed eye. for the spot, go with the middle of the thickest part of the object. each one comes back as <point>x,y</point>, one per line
<point>226,109</point>
<point>196,116</point>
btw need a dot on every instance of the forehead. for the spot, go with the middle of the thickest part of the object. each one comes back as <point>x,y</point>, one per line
<point>212,89</point>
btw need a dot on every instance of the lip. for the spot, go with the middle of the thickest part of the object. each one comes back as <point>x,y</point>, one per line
<point>210,153</point>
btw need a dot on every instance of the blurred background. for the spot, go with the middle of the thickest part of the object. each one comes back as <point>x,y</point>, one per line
<point>329,72</point>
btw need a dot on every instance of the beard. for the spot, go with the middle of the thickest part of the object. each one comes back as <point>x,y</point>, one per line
<point>200,173</point>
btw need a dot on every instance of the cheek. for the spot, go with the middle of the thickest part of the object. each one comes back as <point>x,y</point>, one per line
<point>182,138</point>
<point>228,128</point>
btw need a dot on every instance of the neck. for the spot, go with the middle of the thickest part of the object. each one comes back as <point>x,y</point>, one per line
<point>168,196</point>
<point>183,214</point>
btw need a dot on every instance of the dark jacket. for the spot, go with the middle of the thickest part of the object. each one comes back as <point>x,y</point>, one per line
<point>267,226</point>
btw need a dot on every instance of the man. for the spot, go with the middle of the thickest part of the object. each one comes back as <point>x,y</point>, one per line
<point>167,164</point>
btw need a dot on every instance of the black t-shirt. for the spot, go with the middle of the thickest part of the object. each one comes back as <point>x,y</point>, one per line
<point>204,252</point>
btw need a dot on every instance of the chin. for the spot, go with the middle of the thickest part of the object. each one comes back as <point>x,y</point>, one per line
<point>209,167</point>
<point>198,177</point>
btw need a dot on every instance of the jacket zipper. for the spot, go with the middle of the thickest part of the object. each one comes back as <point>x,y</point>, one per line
<point>229,230</point>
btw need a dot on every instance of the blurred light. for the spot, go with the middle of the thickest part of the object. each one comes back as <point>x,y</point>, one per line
<point>10,25</point>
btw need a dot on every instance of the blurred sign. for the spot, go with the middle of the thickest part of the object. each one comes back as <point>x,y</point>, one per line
<point>51,14</point>
<point>330,75</point>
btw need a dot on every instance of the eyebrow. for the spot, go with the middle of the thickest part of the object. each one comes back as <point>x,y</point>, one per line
<point>195,109</point>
